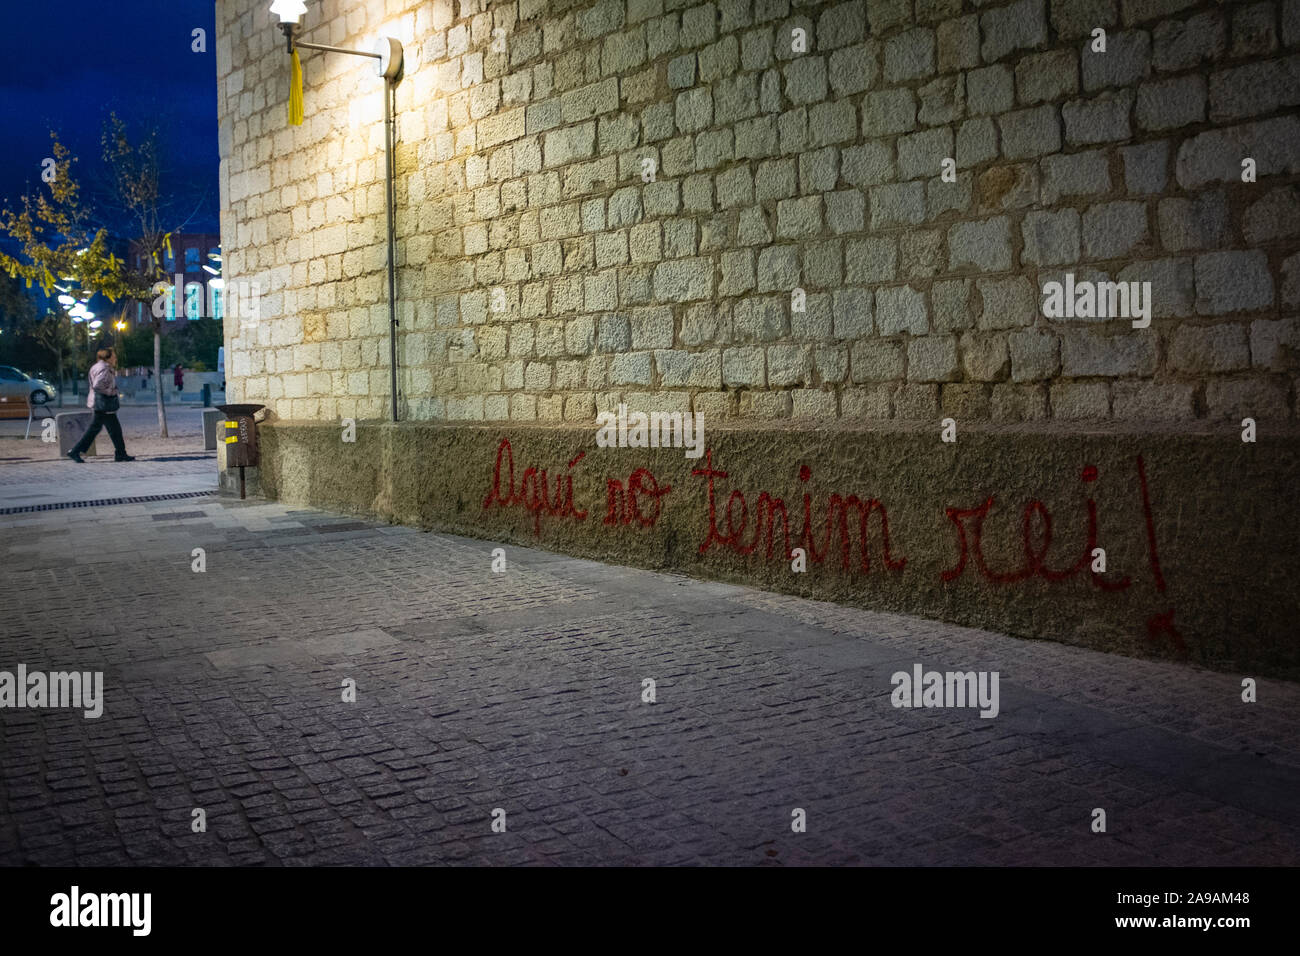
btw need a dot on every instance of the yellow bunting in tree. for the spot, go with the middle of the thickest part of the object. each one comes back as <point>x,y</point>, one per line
<point>295,91</point>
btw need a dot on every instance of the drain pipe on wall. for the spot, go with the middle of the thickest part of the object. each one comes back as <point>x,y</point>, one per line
<point>390,86</point>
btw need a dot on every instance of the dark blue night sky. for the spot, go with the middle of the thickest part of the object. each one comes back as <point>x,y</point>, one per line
<point>65,64</point>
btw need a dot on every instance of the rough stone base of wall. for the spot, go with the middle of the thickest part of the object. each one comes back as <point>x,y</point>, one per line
<point>998,530</point>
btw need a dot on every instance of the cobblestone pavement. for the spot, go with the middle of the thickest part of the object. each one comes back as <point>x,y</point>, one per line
<point>522,690</point>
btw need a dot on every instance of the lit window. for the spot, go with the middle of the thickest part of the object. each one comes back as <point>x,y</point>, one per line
<point>193,300</point>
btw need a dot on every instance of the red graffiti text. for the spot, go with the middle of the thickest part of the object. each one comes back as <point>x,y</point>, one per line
<point>533,493</point>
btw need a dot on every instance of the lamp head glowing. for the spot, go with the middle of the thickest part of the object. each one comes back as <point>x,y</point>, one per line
<point>289,11</point>
<point>389,51</point>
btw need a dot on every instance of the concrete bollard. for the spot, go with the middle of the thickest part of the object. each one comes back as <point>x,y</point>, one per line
<point>211,418</point>
<point>71,426</point>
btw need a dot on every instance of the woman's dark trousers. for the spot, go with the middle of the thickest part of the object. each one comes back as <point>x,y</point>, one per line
<point>103,420</point>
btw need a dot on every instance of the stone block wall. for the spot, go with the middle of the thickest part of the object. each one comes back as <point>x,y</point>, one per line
<point>622,201</point>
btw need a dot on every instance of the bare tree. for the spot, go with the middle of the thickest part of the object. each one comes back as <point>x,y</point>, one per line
<point>136,174</point>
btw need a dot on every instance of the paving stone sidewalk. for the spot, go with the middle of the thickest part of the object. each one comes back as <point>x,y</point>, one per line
<point>522,690</point>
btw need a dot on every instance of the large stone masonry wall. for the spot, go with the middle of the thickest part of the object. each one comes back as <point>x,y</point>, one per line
<point>523,128</point>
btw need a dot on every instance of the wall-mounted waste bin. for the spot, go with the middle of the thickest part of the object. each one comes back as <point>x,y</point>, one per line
<point>238,431</point>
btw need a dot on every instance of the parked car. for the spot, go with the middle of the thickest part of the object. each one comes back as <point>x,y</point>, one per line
<point>19,388</point>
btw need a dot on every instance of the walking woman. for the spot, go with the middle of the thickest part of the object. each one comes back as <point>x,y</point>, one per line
<point>103,400</point>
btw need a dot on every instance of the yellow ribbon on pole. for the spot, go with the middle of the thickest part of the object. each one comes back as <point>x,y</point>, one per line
<point>295,91</point>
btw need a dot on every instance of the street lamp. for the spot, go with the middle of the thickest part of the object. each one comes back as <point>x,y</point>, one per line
<point>289,12</point>
<point>92,324</point>
<point>388,51</point>
<point>77,318</point>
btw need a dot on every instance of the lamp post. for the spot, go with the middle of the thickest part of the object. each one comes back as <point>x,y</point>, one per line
<point>92,325</point>
<point>75,308</point>
<point>388,51</point>
<point>77,318</point>
<point>78,315</point>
